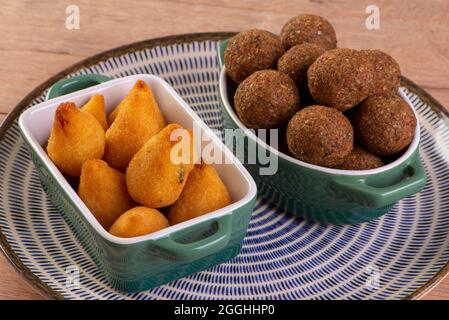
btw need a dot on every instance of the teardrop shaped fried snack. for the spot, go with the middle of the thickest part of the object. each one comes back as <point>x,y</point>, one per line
<point>158,172</point>
<point>76,136</point>
<point>103,190</point>
<point>138,221</point>
<point>113,114</point>
<point>204,192</point>
<point>95,106</point>
<point>138,120</point>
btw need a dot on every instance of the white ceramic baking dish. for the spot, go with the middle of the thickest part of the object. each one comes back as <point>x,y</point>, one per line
<point>134,264</point>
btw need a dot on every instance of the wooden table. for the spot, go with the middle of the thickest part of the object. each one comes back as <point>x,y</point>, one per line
<point>35,44</point>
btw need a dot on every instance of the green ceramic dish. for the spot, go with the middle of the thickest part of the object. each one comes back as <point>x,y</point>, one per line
<point>135,264</point>
<point>321,194</point>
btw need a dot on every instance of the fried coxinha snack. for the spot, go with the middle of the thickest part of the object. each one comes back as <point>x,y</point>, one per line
<point>95,106</point>
<point>158,172</point>
<point>76,136</point>
<point>137,120</point>
<point>103,190</point>
<point>138,221</point>
<point>204,192</point>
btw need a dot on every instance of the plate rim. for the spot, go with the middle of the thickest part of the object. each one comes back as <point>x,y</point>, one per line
<point>45,290</point>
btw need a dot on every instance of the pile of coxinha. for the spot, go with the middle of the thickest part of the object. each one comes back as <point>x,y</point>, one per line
<point>124,162</point>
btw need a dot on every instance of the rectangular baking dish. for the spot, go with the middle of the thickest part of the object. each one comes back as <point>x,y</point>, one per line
<point>135,264</point>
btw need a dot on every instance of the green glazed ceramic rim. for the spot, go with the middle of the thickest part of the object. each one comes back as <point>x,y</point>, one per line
<point>42,288</point>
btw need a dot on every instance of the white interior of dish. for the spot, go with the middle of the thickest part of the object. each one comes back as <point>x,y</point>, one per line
<point>230,110</point>
<point>36,124</point>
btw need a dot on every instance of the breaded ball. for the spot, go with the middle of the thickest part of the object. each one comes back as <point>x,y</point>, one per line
<point>320,135</point>
<point>387,73</point>
<point>266,99</point>
<point>308,28</point>
<point>138,221</point>
<point>340,78</point>
<point>204,192</point>
<point>384,124</point>
<point>250,51</point>
<point>76,137</point>
<point>138,119</point>
<point>297,60</point>
<point>103,190</point>
<point>158,172</point>
<point>95,106</point>
<point>360,159</point>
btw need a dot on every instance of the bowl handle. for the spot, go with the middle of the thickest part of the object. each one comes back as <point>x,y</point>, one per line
<point>200,248</point>
<point>69,85</point>
<point>221,46</point>
<point>378,197</point>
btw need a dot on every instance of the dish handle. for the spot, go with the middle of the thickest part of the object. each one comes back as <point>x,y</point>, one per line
<point>69,85</point>
<point>221,46</point>
<point>412,180</point>
<point>201,248</point>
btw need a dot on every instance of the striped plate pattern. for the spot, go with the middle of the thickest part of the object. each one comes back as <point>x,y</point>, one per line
<point>282,257</point>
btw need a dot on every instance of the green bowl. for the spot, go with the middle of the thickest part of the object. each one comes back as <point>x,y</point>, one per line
<point>140,263</point>
<point>322,194</point>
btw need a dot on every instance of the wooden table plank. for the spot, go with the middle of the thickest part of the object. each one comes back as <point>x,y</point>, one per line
<point>35,45</point>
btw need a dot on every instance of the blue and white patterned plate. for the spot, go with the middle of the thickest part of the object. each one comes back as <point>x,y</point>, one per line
<point>400,255</point>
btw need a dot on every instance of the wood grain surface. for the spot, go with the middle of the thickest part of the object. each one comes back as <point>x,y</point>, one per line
<point>35,45</point>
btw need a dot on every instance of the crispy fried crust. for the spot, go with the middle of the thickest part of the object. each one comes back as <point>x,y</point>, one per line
<point>153,178</point>
<point>95,106</point>
<point>138,221</point>
<point>138,120</point>
<point>340,78</point>
<point>384,124</point>
<point>360,159</point>
<point>103,190</point>
<point>307,28</point>
<point>387,73</point>
<point>266,99</point>
<point>76,137</point>
<point>250,51</point>
<point>320,135</point>
<point>204,192</point>
<point>297,60</point>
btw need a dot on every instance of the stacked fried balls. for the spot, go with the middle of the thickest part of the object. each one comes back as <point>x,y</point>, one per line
<point>340,107</point>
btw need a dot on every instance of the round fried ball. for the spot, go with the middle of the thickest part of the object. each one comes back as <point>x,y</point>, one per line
<point>308,28</point>
<point>266,99</point>
<point>320,135</point>
<point>360,159</point>
<point>387,73</point>
<point>384,124</point>
<point>138,221</point>
<point>250,51</point>
<point>340,78</point>
<point>297,60</point>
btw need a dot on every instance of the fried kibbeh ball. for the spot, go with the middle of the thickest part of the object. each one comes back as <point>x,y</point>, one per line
<point>320,135</point>
<point>103,190</point>
<point>387,73</point>
<point>95,106</point>
<point>384,124</point>
<point>360,159</point>
<point>158,172</point>
<point>308,28</point>
<point>138,221</point>
<point>266,99</point>
<point>75,137</point>
<point>340,78</point>
<point>297,60</point>
<point>204,192</point>
<point>251,51</point>
<point>138,119</point>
